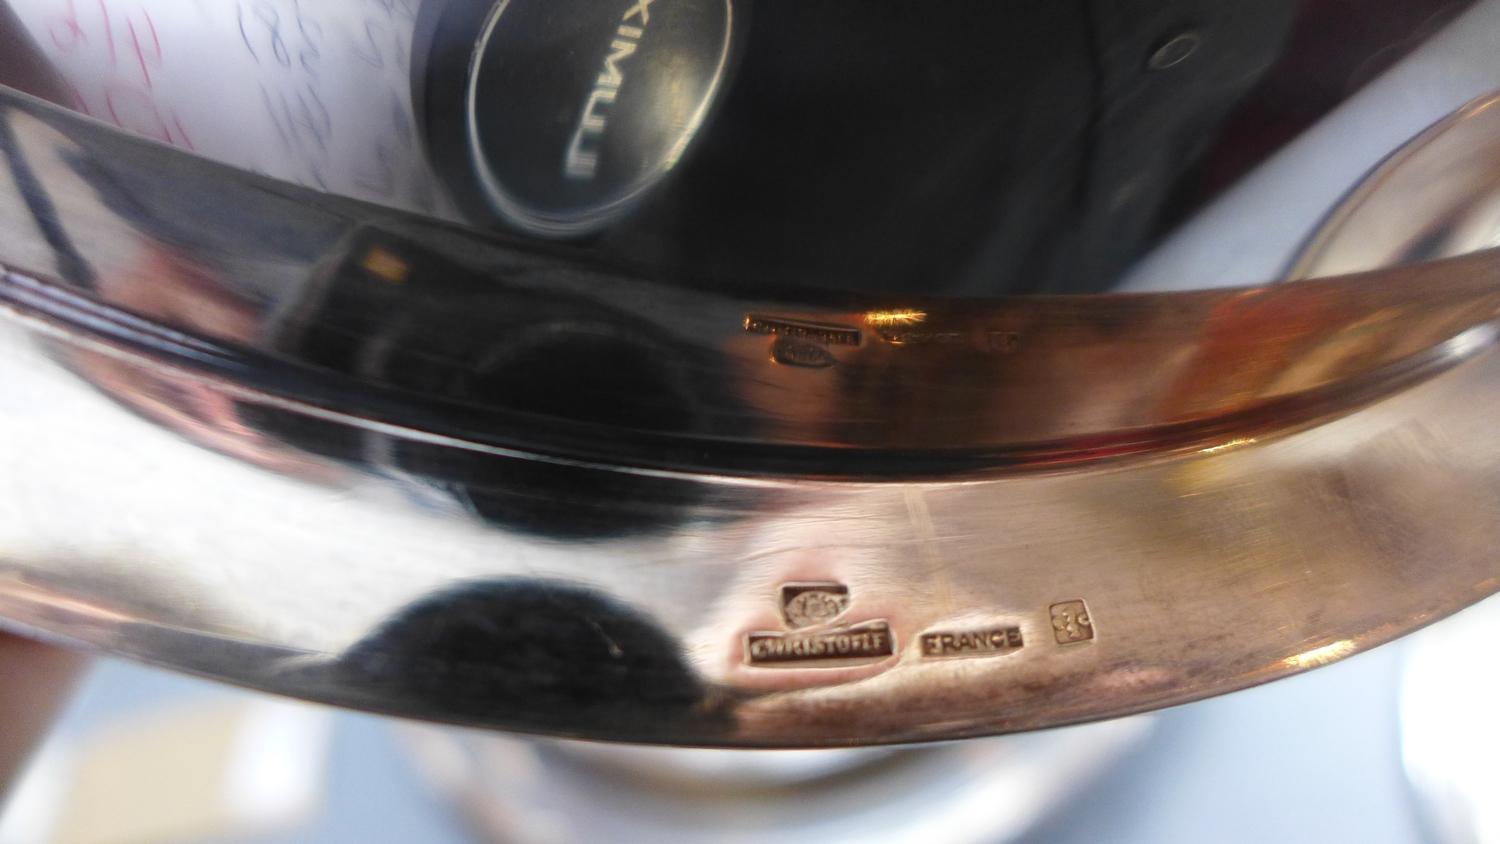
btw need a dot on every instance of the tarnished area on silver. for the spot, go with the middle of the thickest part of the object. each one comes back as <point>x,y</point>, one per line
<point>316,447</point>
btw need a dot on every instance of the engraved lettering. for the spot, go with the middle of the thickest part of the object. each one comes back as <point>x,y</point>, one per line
<point>810,610</point>
<point>833,335</point>
<point>995,342</point>
<point>995,641</point>
<point>860,642</point>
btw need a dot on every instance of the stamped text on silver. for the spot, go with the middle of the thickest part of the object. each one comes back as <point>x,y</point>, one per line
<point>812,610</point>
<point>833,335</point>
<point>990,641</point>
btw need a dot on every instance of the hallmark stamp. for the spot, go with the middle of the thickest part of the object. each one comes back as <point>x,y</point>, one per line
<point>812,611</point>
<point>811,604</point>
<point>859,642</point>
<point>1071,622</point>
<point>793,351</point>
<point>992,341</point>
<point>993,641</point>
<point>822,332</point>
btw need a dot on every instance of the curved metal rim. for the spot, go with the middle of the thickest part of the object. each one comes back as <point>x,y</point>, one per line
<point>1200,368</point>
<point>1234,555</point>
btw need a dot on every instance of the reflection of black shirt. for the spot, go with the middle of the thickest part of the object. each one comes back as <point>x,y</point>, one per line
<point>961,147</point>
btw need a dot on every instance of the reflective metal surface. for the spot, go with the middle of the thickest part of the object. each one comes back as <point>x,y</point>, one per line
<point>1436,197</point>
<point>969,149</point>
<point>335,450</point>
<point>1260,225</point>
<point>988,791</point>
<point>1263,503</point>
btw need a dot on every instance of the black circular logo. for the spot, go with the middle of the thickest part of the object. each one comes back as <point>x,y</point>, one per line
<point>574,109</point>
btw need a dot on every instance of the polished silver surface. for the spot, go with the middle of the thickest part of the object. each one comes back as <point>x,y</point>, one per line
<point>1436,197</point>
<point>322,448</point>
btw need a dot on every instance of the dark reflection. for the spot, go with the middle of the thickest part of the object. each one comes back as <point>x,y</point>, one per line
<point>556,500</point>
<point>969,148</point>
<point>438,341</point>
<point>1335,48</point>
<point>392,311</point>
<point>403,316</point>
<point>961,148</point>
<point>533,655</point>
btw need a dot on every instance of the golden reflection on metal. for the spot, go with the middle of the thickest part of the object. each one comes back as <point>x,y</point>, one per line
<point>1322,655</point>
<point>1237,442</point>
<point>889,318</point>
<point>798,327</point>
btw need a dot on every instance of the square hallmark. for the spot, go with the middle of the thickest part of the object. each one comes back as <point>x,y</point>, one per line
<point>1071,622</point>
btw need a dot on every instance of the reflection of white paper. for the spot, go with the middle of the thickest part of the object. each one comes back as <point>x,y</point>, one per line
<point>317,92</point>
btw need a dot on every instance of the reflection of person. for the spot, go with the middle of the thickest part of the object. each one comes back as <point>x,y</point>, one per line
<point>34,680</point>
